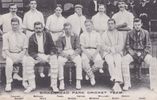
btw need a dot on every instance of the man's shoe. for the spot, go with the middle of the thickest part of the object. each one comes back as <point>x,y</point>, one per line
<point>17,77</point>
<point>78,84</point>
<point>117,88</point>
<point>101,71</point>
<point>62,86</point>
<point>25,84</point>
<point>126,87</point>
<point>29,89</point>
<point>42,75</point>
<point>92,81</point>
<point>86,77</point>
<point>55,89</point>
<point>8,88</point>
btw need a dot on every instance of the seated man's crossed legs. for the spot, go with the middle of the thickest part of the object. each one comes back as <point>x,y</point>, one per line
<point>29,76</point>
<point>78,64</point>
<point>14,58</point>
<point>91,68</point>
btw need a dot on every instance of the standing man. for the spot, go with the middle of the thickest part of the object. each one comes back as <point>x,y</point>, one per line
<point>124,20</point>
<point>55,23</point>
<point>14,48</point>
<point>138,48</point>
<point>100,20</point>
<point>69,50</point>
<point>77,20</point>
<point>5,20</point>
<point>90,45</point>
<point>112,50</point>
<point>42,50</point>
<point>32,16</point>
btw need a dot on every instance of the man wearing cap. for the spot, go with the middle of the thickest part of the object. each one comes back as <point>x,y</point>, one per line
<point>30,17</point>
<point>77,20</point>
<point>100,20</point>
<point>69,50</point>
<point>55,23</point>
<point>124,19</point>
<point>14,48</point>
<point>138,48</point>
<point>90,44</point>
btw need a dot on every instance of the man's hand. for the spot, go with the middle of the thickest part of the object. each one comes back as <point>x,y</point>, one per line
<point>138,54</point>
<point>40,60</point>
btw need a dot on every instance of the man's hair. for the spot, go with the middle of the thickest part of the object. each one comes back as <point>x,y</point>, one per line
<point>101,5</point>
<point>111,19</point>
<point>67,24</point>
<point>15,20</point>
<point>38,23</point>
<point>88,20</point>
<point>137,20</point>
<point>59,5</point>
<point>12,4</point>
<point>32,0</point>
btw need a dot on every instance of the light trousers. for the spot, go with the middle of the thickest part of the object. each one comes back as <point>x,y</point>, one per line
<point>126,71</point>
<point>98,63</point>
<point>28,73</point>
<point>114,66</point>
<point>76,60</point>
<point>14,57</point>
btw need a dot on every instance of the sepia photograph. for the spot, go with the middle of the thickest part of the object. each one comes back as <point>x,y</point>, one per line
<point>78,49</point>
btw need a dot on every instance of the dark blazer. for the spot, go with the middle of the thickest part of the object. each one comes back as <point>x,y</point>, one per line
<point>49,47</point>
<point>75,43</point>
<point>140,43</point>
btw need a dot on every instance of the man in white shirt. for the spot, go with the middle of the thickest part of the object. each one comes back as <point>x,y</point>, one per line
<point>14,48</point>
<point>77,20</point>
<point>100,20</point>
<point>124,19</point>
<point>112,49</point>
<point>69,50</point>
<point>30,17</point>
<point>5,20</point>
<point>90,44</point>
<point>55,23</point>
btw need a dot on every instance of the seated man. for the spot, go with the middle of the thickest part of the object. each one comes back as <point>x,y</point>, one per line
<point>14,47</point>
<point>138,48</point>
<point>90,45</point>
<point>42,50</point>
<point>112,49</point>
<point>69,50</point>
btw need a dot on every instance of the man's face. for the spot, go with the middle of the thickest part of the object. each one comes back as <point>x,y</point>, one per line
<point>111,25</point>
<point>38,28</point>
<point>67,29</point>
<point>78,11</point>
<point>137,25</point>
<point>13,9</point>
<point>121,5</point>
<point>33,5</point>
<point>58,11</point>
<point>15,26</point>
<point>102,9</point>
<point>89,26</point>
